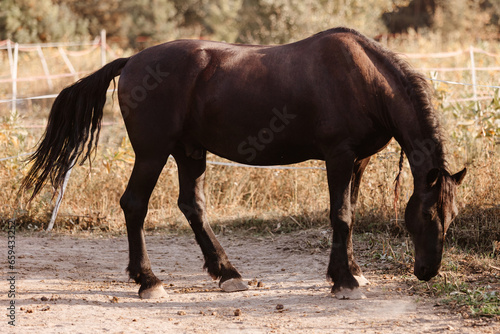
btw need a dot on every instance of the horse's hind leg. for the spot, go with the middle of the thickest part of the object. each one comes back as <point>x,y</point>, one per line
<point>192,204</point>
<point>134,203</point>
<point>359,168</point>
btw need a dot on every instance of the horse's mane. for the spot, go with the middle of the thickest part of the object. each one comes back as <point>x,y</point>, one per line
<point>416,85</point>
<point>420,93</point>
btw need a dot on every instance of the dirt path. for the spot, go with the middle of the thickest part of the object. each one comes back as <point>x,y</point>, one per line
<point>78,285</point>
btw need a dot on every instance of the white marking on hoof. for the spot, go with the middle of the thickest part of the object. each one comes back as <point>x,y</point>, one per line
<point>153,293</point>
<point>233,285</point>
<point>362,281</point>
<point>346,293</point>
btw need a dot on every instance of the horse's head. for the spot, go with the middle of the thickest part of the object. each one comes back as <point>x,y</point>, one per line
<point>428,215</point>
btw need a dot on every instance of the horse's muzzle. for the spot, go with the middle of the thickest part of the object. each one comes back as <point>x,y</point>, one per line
<point>425,273</point>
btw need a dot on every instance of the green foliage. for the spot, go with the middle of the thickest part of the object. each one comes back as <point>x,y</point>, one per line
<point>152,20</point>
<point>450,18</point>
<point>107,14</point>
<point>26,21</point>
<point>478,301</point>
<point>130,22</point>
<point>475,17</point>
<point>264,21</point>
<point>217,20</point>
<point>141,23</point>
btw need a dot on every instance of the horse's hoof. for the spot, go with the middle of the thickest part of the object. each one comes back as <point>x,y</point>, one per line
<point>154,292</point>
<point>362,281</point>
<point>233,285</point>
<point>346,293</point>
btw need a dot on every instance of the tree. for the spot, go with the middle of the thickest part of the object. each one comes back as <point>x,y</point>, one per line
<point>26,21</point>
<point>479,18</point>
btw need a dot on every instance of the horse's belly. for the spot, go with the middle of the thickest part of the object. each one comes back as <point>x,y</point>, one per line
<point>261,150</point>
<point>256,133</point>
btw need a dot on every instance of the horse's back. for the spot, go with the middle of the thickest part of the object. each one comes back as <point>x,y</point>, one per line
<point>297,99</point>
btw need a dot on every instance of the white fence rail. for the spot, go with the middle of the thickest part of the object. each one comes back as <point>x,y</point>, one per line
<point>13,50</point>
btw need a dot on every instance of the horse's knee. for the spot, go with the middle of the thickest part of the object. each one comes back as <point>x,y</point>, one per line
<point>126,202</point>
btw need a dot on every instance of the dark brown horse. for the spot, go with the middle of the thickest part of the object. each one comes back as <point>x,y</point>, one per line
<point>336,96</point>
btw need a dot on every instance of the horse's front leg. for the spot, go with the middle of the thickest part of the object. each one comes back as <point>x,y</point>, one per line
<point>192,204</point>
<point>340,170</point>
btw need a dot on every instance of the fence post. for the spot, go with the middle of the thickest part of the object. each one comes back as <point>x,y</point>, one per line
<point>103,47</point>
<point>9,54</point>
<point>13,72</point>
<point>67,61</point>
<point>473,72</point>
<point>45,66</point>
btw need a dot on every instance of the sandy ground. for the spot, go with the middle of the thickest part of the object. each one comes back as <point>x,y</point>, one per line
<point>67,284</point>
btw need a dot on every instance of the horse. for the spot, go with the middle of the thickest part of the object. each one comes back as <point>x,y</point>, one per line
<point>336,96</point>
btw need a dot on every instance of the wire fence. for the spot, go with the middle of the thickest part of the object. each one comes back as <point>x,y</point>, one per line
<point>13,50</point>
<point>53,96</point>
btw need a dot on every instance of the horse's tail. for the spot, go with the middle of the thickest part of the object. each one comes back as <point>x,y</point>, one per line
<point>73,128</point>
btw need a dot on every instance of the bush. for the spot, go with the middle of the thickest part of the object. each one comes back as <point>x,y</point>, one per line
<point>27,21</point>
<point>141,23</point>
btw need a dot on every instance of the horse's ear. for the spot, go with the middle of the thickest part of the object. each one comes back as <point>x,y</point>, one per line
<point>459,177</point>
<point>432,177</point>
